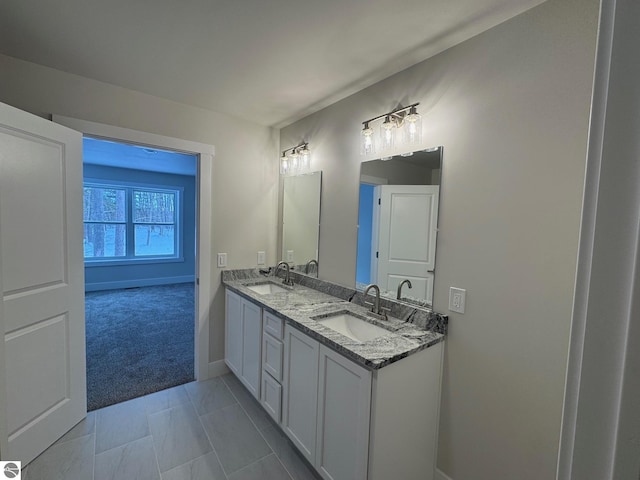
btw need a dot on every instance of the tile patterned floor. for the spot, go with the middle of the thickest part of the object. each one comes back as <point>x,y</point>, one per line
<point>212,430</point>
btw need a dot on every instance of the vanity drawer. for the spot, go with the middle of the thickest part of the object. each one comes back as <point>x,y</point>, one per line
<point>272,355</point>
<point>272,325</point>
<point>272,397</point>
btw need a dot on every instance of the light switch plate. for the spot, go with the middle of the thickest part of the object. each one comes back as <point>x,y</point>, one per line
<point>457,299</point>
<point>222,260</point>
<point>262,258</point>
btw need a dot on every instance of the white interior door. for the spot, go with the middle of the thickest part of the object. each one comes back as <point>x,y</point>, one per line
<point>42,357</point>
<point>407,231</point>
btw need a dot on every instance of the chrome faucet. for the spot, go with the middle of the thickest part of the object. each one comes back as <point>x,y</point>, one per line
<point>399,296</point>
<point>375,309</point>
<point>287,276</point>
<point>306,268</point>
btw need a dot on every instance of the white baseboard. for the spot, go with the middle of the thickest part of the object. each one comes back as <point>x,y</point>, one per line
<point>144,282</point>
<point>441,476</point>
<point>217,368</point>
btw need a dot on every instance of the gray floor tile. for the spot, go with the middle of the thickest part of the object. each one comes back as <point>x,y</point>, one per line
<point>178,436</point>
<point>256,412</point>
<point>206,467</point>
<point>290,458</point>
<point>268,468</point>
<point>231,380</point>
<point>71,460</point>
<point>209,395</point>
<point>136,459</point>
<point>165,399</point>
<point>121,423</point>
<point>234,437</point>
<point>86,427</point>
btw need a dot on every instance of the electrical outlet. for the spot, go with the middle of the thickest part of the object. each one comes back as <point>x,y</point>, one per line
<point>262,258</point>
<point>289,255</point>
<point>222,260</point>
<point>457,299</point>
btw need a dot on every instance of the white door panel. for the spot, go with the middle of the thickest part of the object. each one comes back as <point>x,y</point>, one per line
<point>42,362</point>
<point>407,233</point>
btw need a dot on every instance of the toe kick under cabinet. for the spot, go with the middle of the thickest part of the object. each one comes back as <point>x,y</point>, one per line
<point>349,422</point>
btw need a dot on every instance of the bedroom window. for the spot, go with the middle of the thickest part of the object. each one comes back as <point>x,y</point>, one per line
<point>130,222</point>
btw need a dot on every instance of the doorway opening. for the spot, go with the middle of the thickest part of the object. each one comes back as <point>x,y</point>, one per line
<point>140,218</point>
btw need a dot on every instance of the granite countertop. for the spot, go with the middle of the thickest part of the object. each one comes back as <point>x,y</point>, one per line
<point>299,304</point>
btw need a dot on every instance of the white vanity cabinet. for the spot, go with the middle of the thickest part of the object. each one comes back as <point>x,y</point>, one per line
<point>272,365</point>
<point>243,340</point>
<point>326,407</point>
<point>355,424</point>
<point>300,382</point>
<point>344,398</point>
<point>351,423</point>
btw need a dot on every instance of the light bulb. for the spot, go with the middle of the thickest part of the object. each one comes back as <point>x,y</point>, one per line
<point>387,131</point>
<point>305,158</point>
<point>284,165</point>
<point>294,161</point>
<point>413,128</point>
<point>367,140</point>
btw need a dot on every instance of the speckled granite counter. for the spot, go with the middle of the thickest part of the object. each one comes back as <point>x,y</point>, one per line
<point>300,303</point>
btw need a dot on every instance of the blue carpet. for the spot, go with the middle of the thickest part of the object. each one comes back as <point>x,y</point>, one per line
<point>139,341</point>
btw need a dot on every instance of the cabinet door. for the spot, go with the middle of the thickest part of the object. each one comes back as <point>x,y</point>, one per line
<point>300,385</point>
<point>272,356</point>
<point>271,396</point>
<point>251,347</point>
<point>272,325</point>
<point>344,399</point>
<point>233,333</point>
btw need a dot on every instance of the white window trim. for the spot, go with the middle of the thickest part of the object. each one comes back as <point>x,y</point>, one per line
<point>131,258</point>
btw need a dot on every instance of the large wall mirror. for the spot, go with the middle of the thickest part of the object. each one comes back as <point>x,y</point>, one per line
<point>301,221</point>
<point>397,224</point>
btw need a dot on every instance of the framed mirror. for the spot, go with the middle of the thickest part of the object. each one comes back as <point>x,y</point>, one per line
<point>397,225</point>
<point>301,221</point>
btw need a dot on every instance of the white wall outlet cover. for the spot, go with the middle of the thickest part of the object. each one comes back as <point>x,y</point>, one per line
<point>289,255</point>
<point>222,260</point>
<point>262,258</point>
<point>457,299</point>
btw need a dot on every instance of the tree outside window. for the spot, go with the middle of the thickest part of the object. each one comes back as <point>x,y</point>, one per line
<point>129,222</point>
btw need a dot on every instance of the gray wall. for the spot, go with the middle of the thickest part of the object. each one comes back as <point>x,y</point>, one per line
<point>511,108</point>
<point>245,171</point>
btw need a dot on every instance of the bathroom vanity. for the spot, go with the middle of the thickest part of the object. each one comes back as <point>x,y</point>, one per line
<point>358,396</point>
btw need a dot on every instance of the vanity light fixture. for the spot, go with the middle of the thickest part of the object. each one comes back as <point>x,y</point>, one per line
<point>297,160</point>
<point>397,129</point>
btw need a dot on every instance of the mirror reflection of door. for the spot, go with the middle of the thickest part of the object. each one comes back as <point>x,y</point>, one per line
<point>397,224</point>
<point>407,229</point>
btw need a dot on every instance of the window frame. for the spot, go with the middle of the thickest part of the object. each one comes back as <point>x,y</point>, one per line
<point>130,258</point>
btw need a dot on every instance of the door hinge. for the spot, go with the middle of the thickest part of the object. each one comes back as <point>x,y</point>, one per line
<point>376,254</point>
<point>379,202</point>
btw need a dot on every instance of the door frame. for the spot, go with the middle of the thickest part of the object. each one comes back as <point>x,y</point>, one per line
<point>204,234</point>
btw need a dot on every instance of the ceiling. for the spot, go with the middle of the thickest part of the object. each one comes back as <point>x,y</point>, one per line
<point>109,153</point>
<point>268,61</point>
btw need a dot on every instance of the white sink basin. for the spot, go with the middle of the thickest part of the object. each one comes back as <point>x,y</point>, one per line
<point>266,288</point>
<point>353,327</point>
